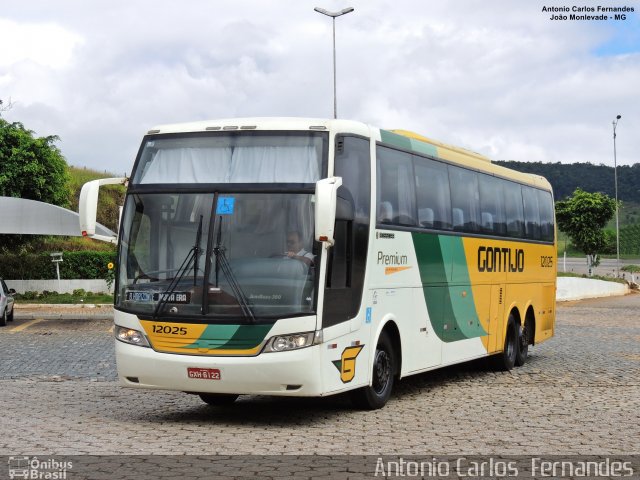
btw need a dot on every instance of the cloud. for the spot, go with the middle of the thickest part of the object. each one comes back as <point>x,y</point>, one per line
<point>496,77</point>
<point>45,44</point>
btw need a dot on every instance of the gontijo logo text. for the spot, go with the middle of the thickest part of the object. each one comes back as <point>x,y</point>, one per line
<point>497,259</point>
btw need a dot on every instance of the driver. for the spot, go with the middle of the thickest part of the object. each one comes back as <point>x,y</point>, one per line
<point>296,250</point>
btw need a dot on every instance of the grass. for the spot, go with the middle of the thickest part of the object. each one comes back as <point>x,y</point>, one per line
<point>592,277</point>
<point>77,297</point>
<point>67,244</point>
<point>631,268</point>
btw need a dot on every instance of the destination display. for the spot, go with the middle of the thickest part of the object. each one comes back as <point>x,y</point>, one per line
<point>175,297</point>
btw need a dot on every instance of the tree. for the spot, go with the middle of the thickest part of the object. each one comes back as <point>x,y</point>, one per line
<point>583,217</point>
<point>31,167</point>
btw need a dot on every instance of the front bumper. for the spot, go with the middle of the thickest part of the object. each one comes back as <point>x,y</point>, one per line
<point>291,373</point>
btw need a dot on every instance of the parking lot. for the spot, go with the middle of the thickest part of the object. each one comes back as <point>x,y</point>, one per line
<point>578,394</point>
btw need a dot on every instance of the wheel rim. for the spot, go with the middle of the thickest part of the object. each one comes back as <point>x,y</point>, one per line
<point>381,371</point>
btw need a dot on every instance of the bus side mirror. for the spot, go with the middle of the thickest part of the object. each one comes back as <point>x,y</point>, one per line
<point>88,206</point>
<point>325,209</point>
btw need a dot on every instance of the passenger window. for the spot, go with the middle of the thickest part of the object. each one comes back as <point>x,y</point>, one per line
<point>464,199</point>
<point>545,202</point>
<point>531,213</point>
<point>432,194</point>
<point>396,196</point>
<point>491,206</point>
<point>513,209</point>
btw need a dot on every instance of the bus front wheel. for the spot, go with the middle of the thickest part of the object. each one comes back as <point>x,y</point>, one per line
<point>218,399</point>
<point>377,394</point>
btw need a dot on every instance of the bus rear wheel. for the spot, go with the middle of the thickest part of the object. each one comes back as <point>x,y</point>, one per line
<point>377,394</point>
<point>506,360</point>
<point>218,399</point>
<point>523,344</point>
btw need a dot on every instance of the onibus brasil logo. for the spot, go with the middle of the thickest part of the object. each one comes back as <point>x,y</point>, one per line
<point>33,468</point>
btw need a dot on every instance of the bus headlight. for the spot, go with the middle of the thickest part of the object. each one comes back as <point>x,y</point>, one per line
<point>294,341</point>
<point>129,335</point>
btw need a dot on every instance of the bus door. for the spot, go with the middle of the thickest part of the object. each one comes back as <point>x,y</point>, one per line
<point>348,256</point>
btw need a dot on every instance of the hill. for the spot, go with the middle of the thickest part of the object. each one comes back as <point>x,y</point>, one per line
<point>565,178</point>
<point>111,196</point>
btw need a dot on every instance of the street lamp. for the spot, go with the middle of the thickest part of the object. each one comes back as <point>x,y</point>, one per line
<point>333,15</point>
<point>615,176</point>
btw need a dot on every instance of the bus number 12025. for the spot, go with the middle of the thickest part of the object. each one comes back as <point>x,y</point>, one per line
<point>168,330</point>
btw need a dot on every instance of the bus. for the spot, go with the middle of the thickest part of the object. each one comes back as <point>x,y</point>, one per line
<point>309,257</point>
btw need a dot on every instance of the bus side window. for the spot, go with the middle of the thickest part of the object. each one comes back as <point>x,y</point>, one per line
<point>432,194</point>
<point>491,205</point>
<point>513,209</point>
<point>465,199</point>
<point>531,213</point>
<point>396,197</point>
<point>545,203</point>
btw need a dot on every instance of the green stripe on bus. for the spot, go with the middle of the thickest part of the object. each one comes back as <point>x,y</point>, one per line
<point>450,304</point>
<point>395,140</point>
<point>462,302</point>
<point>248,336</point>
<point>236,337</point>
<point>407,143</point>
<point>422,147</point>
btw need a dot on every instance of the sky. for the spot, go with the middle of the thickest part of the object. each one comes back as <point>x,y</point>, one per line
<point>496,76</point>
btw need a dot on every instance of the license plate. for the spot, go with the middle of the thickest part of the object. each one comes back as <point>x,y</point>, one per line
<point>204,373</point>
<point>132,296</point>
<point>175,297</point>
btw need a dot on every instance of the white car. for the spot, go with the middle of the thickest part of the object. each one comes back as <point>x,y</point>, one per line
<point>6,303</point>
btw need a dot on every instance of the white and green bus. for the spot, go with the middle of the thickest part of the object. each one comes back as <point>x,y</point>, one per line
<point>307,257</point>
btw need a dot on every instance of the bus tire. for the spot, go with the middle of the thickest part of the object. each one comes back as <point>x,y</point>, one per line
<point>507,358</point>
<point>523,344</point>
<point>377,394</point>
<point>218,399</point>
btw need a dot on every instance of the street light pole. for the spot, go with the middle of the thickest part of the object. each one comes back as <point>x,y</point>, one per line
<point>333,16</point>
<point>615,176</point>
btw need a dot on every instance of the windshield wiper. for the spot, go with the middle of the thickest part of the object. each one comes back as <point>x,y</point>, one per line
<point>223,263</point>
<point>192,256</point>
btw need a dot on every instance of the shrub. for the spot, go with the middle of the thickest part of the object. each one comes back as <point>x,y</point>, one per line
<point>38,266</point>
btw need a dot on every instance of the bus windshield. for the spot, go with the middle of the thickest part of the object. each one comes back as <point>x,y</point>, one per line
<point>230,256</point>
<point>223,158</point>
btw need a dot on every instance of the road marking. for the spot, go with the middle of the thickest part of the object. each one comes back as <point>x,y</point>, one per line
<point>25,325</point>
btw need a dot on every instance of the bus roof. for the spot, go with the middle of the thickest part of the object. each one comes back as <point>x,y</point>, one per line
<point>263,123</point>
<point>400,138</point>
